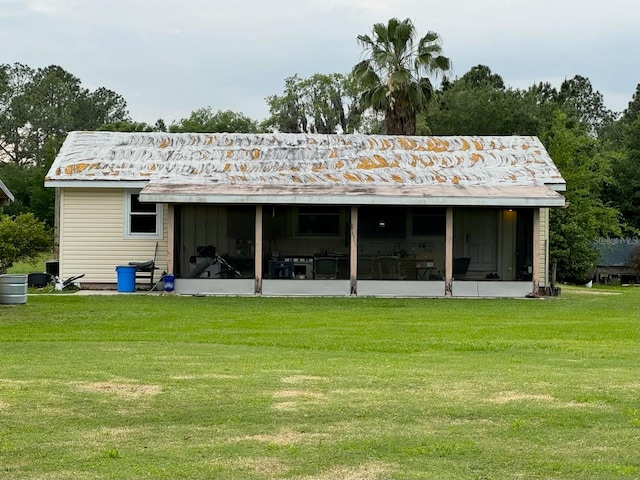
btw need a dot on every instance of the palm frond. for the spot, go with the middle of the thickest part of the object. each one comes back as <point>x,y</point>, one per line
<point>390,74</point>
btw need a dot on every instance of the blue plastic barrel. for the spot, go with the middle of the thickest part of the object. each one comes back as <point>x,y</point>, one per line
<point>126,278</point>
<point>169,282</point>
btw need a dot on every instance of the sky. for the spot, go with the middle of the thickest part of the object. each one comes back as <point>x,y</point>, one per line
<point>170,57</point>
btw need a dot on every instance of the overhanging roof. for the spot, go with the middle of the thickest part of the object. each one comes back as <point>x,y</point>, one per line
<point>6,196</point>
<point>297,168</point>
<point>440,195</point>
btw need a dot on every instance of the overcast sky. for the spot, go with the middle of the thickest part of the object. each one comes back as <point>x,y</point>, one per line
<point>169,57</point>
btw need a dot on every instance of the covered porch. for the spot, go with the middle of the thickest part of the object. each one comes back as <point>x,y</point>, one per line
<point>309,249</point>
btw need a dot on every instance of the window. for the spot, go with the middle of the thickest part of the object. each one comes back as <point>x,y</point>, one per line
<point>143,220</point>
<point>382,222</point>
<point>429,222</point>
<point>319,221</point>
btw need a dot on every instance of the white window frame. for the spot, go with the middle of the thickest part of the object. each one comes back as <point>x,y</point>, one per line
<point>158,235</point>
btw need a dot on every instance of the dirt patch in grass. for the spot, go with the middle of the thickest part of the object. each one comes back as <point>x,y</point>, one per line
<point>508,397</point>
<point>265,466</point>
<point>287,406</point>
<point>3,404</point>
<point>368,471</point>
<point>298,394</point>
<point>286,438</point>
<point>11,382</point>
<point>291,400</point>
<point>214,376</point>
<point>123,390</point>
<point>297,379</point>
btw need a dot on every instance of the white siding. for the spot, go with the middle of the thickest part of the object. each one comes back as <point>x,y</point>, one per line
<point>92,236</point>
<point>544,248</point>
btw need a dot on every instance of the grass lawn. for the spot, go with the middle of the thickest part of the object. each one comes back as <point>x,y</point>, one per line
<point>166,387</point>
<point>35,266</point>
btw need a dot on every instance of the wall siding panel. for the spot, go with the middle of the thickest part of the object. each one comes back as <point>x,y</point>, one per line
<point>544,248</point>
<point>93,244</point>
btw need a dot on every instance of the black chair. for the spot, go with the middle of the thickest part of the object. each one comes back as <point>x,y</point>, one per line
<point>365,268</point>
<point>145,270</point>
<point>325,268</point>
<point>460,267</point>
<point>390,268</point>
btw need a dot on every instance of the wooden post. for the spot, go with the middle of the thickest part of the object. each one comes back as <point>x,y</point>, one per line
<point>171,235</point>
<point>353,251</point>
<point>258,252</point>
<point>448,255</point>
<point>536,250</point>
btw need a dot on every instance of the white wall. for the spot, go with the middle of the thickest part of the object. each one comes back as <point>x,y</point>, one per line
<point>92,235</point>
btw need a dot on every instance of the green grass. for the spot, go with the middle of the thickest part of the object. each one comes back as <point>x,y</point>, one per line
<point>268,388</point>
<point>35,266</point>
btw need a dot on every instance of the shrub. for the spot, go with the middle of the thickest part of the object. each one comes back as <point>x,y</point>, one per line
<point>22,238</point>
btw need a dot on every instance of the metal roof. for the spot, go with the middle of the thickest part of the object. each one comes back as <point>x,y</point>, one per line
<point>289,163</point>
<point>6,196</point>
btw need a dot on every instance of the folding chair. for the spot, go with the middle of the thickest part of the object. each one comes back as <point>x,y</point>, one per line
<point>146,270</point>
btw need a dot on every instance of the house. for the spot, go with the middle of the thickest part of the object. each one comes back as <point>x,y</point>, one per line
<point>614,262</point>
<point>5,195</point>
<point>297,214</point>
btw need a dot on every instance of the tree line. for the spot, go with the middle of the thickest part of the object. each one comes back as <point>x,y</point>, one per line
<point>392,90</point>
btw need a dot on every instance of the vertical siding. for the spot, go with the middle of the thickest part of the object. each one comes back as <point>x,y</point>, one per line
<point>92,235</point>
<point>544,247</point>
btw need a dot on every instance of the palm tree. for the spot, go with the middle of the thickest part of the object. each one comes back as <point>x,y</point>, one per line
<point>395,76</point>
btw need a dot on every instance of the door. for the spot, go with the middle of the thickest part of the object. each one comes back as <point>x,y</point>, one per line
<point>481,239</point>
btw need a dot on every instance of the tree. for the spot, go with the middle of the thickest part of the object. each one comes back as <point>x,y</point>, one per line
<point>586,217</point>
<point>395,77</point>
<point>205,120</point>
<point>577,94</point>
<point>322,103</point>
<point>632,112</point>
<point>37,110</point>
<point>623,191</point>
<point>13,81</point>
<point>481,75</point>
<point>126,126</point>
<point>39,105</point>
<point>478,103</point>
<point>21,238</point>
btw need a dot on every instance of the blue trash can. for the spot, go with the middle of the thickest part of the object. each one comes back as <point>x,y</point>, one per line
<point>168,282</point>
<point>126,278</point>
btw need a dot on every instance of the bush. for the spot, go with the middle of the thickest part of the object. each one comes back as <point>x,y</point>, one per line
<point>22,238</point>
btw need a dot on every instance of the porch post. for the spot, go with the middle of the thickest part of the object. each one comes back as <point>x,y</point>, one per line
<point>353,251</point>
<point>257,257</point>
<point>448,254</point>
<point>536,250</point>
<point>171,226</point>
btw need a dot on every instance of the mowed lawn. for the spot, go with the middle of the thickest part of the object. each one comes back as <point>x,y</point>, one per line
<point>166,387</point>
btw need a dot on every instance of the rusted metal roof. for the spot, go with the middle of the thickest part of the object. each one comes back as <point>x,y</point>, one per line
<point>287,160</point>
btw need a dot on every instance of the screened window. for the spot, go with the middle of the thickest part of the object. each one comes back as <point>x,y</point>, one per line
<point>429,221</point>
<point>319,221</point>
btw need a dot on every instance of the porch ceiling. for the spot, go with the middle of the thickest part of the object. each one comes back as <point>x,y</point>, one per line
<point>437,195</point>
